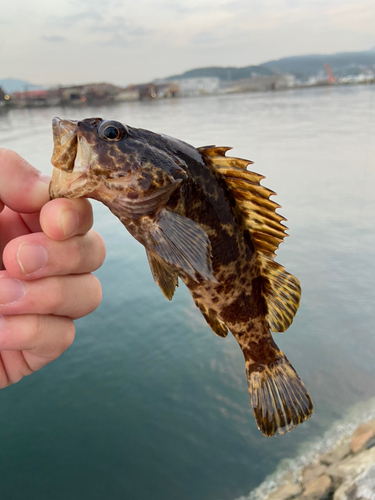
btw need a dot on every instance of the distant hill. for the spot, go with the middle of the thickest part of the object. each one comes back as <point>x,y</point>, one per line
<point>342,64</point>
<point>10,85</point>
<point>228,74</point>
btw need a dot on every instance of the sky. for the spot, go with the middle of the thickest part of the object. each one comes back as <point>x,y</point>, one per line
<point>122,41</point>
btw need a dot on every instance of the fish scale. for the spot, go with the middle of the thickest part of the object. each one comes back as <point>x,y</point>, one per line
<point>205,219</point>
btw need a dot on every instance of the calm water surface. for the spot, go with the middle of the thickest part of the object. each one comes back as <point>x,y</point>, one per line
<point>148,403</point>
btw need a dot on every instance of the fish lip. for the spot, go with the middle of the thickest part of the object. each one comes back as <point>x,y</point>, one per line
<point>65,143</point>
<point>69,161</point>
<point>75,180</point>
<point>66,184</point>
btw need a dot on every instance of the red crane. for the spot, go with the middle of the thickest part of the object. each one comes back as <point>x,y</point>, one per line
<point>331,77</point>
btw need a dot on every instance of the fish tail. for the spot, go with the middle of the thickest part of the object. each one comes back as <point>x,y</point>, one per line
<point>278,396</point>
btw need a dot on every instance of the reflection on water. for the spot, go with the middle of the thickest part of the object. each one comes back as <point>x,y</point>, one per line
<point>148,402</point>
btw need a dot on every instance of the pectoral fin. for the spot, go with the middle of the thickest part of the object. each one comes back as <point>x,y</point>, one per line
<point>182,243</point>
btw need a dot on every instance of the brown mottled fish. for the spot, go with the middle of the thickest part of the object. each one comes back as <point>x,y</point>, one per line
<point>204,218</point>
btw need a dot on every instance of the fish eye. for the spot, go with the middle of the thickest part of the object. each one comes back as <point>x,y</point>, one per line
<point>112,131</point>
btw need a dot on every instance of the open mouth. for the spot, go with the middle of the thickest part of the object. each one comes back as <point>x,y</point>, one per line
<point>70,159</point>
<point>65,144</point>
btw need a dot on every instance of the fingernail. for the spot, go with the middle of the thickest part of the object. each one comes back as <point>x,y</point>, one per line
<point>2,321</point>
<point>11,290</point>
<point>69,222</point>
<point>31,258</point>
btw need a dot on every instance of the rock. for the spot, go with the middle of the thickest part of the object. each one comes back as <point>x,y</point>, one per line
<point>285,492</point>
<point>290,477</point>
<point>340,452</point>
<point>313,471</point>
<point>344,473</point>
<point>318,489</point>
<point>351,466</point>
<point>363,437</point>
<point>361,488</point>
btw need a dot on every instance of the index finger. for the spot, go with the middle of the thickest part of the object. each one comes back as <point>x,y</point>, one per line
<point>62,218</point>
<point>21,186</point>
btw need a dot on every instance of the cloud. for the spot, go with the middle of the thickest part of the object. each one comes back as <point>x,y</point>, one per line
<point>118,26</point>
<point>73,19</point>
<point>54,39</point>
<point>99,23</point>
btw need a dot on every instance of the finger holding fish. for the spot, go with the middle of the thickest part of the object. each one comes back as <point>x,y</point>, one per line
<point>62,218</point>
<point>49,252</point>
<point>25,189</point>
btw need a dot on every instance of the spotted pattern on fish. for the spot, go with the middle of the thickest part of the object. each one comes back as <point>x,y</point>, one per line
<point>205,218</point>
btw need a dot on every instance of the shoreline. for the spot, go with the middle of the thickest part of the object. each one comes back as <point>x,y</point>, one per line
<point>99,102</point>
<point>346,472</point>
<point>341,460</point>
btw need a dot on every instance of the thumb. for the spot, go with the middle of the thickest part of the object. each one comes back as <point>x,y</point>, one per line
<point>22,187</point>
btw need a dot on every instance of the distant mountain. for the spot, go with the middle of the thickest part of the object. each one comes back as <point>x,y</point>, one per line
<point>227,74</point>
<point>342,64</point>
<point>10,85</point>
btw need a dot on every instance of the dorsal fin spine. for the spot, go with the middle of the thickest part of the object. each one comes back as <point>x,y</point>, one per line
<point>281,290</point>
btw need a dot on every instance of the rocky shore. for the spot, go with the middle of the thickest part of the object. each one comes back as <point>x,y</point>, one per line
<point>345,473</point>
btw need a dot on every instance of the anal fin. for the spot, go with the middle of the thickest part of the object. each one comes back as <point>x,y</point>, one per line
<point>218,327</point>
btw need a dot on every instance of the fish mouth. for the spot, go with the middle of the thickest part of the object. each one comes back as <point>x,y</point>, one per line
<point>65,144</point>
<point>70,159</point>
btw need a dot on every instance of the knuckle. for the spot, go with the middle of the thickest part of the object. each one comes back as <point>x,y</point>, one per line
<point>88,252</point>
<point>56,295</point>
<point>77,255</point>
<point>101,249</point>
<point>96,293</point>
<point>35,328</point>
<point>68,335</point>
<point>95,249</point>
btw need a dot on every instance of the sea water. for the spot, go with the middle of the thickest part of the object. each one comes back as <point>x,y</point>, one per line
<point>148,403</point>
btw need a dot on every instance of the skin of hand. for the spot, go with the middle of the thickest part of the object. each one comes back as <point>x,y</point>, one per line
<point>48,254</point>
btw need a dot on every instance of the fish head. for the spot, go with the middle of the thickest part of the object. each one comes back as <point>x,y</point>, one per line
<point>125,168</point>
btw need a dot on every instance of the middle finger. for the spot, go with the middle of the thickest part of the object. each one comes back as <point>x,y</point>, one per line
<point>36,256</point>
<point>71,296</point>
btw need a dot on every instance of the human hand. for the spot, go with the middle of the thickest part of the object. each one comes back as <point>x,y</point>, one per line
<point>49,252</point>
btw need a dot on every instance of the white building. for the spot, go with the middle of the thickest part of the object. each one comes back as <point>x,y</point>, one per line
<point>190,87</point>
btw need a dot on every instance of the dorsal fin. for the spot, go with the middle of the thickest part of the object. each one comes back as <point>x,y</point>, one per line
<point>281,290</point>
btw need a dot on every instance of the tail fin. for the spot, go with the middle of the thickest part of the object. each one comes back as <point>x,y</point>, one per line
<point>278,396</point>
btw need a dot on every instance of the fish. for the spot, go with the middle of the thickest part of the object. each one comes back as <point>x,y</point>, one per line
<point>203,218</point>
